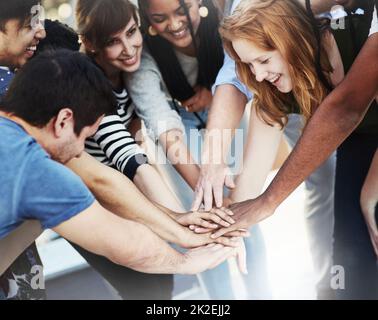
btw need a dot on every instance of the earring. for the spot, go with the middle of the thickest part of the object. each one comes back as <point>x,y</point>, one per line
<point>152,32</point>
<point>203,12</point>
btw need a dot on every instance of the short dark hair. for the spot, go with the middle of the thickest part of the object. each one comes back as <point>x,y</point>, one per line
<point>58,36</point>
<point>55,80</point>
<point>15,9</point>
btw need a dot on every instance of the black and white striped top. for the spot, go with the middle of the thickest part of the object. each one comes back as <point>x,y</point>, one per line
<point>113,144</point>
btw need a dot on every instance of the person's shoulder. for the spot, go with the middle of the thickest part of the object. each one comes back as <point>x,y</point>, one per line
<point>25,153</point>
<point>54,193</point>
<point>15,141</point>
<point>148,67</point>
<point>147,56</point>
<point>53,180</point>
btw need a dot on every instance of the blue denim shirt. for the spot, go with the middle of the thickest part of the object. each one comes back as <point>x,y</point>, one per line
<point>227,74</point>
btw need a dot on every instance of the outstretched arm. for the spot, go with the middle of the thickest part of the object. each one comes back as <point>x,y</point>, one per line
<point>119,195</point>
<point>178,153</point>
<point>225,114</point>
<point>332,123</point>
<point>133,245</point>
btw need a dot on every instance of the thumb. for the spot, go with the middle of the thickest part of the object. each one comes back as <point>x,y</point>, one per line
<point>242,258</point>
<point>224,231</point>
<point>198,199</point>
<point>229,182</point>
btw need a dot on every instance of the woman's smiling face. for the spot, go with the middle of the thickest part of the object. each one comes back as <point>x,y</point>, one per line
<point>168,18</point>
<point>123,49</point>
<point>265,65</point>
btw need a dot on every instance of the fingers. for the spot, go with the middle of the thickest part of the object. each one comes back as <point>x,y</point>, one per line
<point>218,195</point>
<point>223,231</point>
<point>213,217</point>
<point>229,182</point>
<point>238,233</point>
<point>220,255</point>
<point>241,258</point>
<point>372,227</point>
<point>374,241</point>
<point>198,198</point>
<point>229,242</point>
<point>375,246</point>
<point>228,211</point>
<point>221,217</point>
<point>199,230</point>
<point>208,196</point>
<point>206,220</point>
<point>206,224</point>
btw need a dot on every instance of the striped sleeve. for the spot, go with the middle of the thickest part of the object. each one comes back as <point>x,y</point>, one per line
<point>114,145</point>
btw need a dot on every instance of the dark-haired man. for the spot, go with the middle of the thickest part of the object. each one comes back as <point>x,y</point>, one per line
<point>18,41</point>
<point>43,127</point>
<point>18,19</point>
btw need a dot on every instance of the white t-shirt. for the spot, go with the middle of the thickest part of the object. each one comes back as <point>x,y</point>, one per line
<point>374,24</point>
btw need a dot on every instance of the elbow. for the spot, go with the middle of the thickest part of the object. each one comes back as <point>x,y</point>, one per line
<point>140,261</point>
<point>133,253</point>
<point>347,113</point>
<point>351,119</point>
<point>102,179</point>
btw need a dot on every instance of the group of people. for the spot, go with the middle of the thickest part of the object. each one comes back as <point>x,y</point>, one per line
<point>77,129</point>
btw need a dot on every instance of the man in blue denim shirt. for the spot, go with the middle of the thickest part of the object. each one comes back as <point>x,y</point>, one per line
<point>17,45</point>
<point>58,199</point>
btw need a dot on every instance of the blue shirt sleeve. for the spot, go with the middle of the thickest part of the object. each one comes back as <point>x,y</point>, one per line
<point>227,75</point>
<point>52,193</point>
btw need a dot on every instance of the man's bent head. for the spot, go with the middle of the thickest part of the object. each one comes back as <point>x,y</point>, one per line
<point>63,94</point>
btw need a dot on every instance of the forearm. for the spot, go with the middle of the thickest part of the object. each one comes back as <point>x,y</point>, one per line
<point>148,180</point>
<point>260,152</point>
<point>122,241</point>
<point>178,153</point>
<point>173,214</point>
<point>222,116</point>
<point>152,255</point>
<point>331,124</point>
<point>119,195</point>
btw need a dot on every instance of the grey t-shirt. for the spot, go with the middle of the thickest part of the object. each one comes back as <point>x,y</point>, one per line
<point>150,95</point>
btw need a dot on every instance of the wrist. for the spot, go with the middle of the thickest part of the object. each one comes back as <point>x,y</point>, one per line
<point>183,264</point>
<point>174,215</point>
<point>185,239</point>
<point>212,153</point>
<point>268,201</point>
